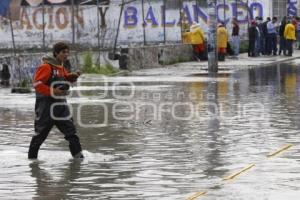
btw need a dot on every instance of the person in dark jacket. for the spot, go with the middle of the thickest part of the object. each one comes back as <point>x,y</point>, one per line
<point>235,37</point>
<point>257,38</point>
<point>265,32</point>
<point>297,20</point>
<point>262,38</point>
<point>282,41</point>
<point>5,75</point>
<point>252,39</point>
<point>51,109</point>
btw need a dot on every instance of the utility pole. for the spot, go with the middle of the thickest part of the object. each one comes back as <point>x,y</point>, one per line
<point>164,20</point>
<point>98,33</point>
<point>144,28</point>
<point>181,16</point>
<point>43,18</point>
<point>212,37</point>
<point>12,32</point>
<point>224,4</point>
<point>118,29</point>
<point>73,23</point>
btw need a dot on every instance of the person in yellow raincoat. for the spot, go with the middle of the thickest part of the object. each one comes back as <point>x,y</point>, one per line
<point>222,38</point>
<point>197,40</point>
<point>290,37</point>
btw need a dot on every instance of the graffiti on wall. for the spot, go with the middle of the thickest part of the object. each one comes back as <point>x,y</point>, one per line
<point>195,13</point>
<point>56,2</point>
<point>58,21</point>
<point>292,6</point>
<point>55,18</point>
<point>155,18</point>
<point>23,67</point>
<point>15,5</point>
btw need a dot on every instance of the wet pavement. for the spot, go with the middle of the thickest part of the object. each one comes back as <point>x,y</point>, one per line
<point>243,60</point>
<point>162,136</point>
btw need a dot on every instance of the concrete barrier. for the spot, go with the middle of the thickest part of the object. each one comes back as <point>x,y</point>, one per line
<point>157,56</point>
<point>23,66</point>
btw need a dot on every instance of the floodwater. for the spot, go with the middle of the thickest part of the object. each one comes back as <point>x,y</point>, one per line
<point>162,136</point>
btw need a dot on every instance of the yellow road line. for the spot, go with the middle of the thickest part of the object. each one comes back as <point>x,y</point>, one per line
<point>238,173</point>
<point>231,177</point>
<point>286,147</point>
<point>196,195</point>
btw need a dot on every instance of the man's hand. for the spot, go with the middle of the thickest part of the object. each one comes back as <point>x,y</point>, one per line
<point>78,73</point>
<point>59,92</point>
<point>74,76</point>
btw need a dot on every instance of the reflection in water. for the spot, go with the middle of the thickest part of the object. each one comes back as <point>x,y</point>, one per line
<point>216,145</point>
<point>218,127</point>
<point>49,188</point>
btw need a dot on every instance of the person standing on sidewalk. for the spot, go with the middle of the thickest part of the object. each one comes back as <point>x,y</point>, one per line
<point>5,75</point>
<point>282,41</point>
<point>235,37</point>
<point>272,37</point>
<point>290,37</point>
<point>197,41</point>
<point>257,38</point>
<point>252,39</point>
<point>262,36</point>
<point>298,32</point>
<point>265,32</point>
<point>51,85</point>
<point>222,38</point>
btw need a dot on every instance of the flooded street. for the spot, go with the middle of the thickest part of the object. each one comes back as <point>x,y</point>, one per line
<point>162,136</point>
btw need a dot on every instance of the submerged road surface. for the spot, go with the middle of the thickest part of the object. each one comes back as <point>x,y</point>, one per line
<point>163,136</point>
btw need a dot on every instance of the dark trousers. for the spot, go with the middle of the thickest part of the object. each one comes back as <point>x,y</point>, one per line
<point>266,45</point>
<point>251,50</point>
<point>272,44</point>
<point>282,45</point>
<point>262,45</point>
<point>221,56</point>
<point>4,83</point>
<point>44,123</point>
<point>289,47</point>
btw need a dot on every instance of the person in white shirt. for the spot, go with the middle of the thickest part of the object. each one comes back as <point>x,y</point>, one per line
<point>272,37</point>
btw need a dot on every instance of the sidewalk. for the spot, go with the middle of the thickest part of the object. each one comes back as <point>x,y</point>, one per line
<point>244,61</point>
<point>230,64</point>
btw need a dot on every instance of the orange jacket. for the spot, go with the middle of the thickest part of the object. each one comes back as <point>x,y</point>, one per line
<point>42,76</point>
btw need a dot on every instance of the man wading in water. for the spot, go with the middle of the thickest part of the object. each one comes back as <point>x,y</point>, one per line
<point>51,85</point>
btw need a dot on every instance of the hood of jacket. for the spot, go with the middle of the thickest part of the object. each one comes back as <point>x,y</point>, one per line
<point>51,61</point>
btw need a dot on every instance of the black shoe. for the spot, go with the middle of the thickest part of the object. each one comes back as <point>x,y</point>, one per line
<point>79,155</point>
<point>33,153</point>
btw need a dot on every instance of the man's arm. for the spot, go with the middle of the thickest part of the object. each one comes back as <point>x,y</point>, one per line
<point>41,78</point>
<point>72,77</point>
